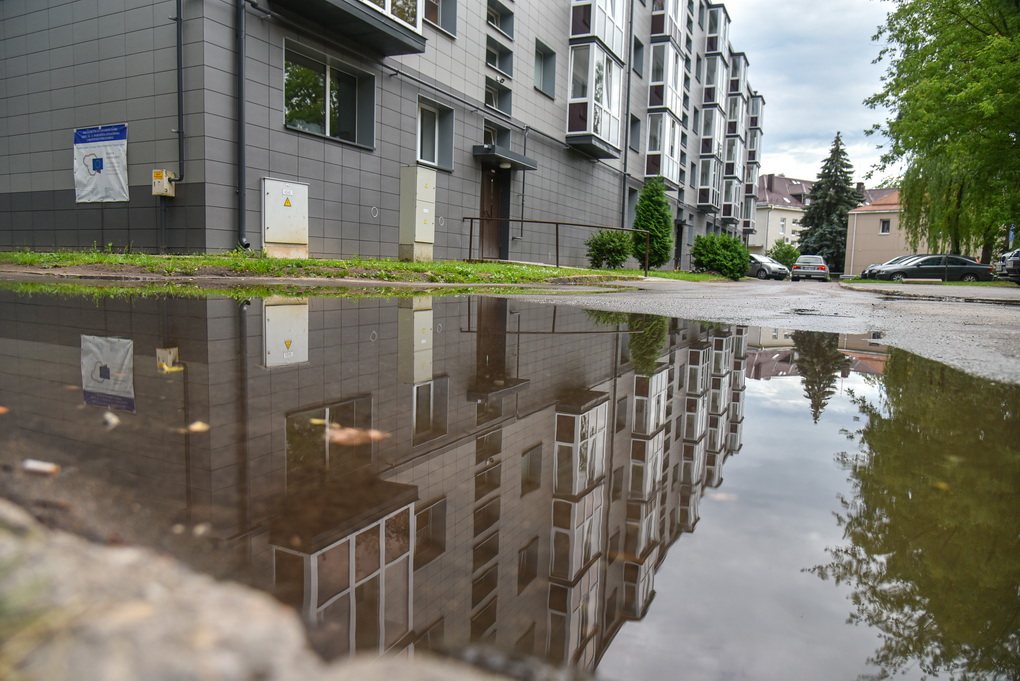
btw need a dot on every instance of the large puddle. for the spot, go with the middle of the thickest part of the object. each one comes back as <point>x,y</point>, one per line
<point>635,496</point>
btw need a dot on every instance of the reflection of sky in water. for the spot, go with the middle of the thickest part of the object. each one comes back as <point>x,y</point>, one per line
<point>732,599</point>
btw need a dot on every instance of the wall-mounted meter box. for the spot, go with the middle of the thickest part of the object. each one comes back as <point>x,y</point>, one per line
<point>162,183</point>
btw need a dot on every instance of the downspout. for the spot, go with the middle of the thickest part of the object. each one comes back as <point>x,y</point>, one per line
<point>179,19</point>
<point>625,124</point>
<point>242,143</point>
<point>853,247</point>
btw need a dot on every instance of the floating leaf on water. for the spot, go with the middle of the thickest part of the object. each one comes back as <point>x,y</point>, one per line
<point>110,420</point>
<point>317,422</point>
<point>165,368</point>
<point>944,486</point>
<point>3,409</point>
<point>40,467</point>
<point>340,435</point>
<point>198,427</point>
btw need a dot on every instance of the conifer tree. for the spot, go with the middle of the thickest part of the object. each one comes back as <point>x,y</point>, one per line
<point>654,215</point>
<point>831,197</point>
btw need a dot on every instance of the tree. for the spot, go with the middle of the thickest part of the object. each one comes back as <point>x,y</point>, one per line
<point>823,227</point>
<point>950,88</point>
<point>654,215</point>
<point>783,252</point>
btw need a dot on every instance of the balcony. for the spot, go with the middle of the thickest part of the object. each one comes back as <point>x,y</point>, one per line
<point>389,27</point>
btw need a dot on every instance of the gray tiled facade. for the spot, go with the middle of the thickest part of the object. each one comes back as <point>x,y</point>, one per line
<point>69,64</point>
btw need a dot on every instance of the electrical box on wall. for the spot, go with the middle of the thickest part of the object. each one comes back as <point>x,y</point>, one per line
<point>162,183</point>
<point>285,331</point>
<point>417,213</point>
<point>285,217</point>
<point>414,339</point>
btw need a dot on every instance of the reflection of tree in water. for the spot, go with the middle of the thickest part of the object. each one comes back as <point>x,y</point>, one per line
<point>647,341</point>
<point>819,362</point>
<point>933,528</point>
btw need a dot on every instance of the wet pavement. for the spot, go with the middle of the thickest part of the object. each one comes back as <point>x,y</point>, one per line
<point>625,493</point>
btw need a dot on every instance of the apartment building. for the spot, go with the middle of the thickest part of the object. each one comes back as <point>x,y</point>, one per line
<point>380,128</point>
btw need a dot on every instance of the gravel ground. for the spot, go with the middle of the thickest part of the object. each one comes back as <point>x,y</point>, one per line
<point>973,328</point>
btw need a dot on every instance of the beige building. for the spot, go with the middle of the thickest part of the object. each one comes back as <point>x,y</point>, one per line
<point>781,202</point>
<point>874,234</point>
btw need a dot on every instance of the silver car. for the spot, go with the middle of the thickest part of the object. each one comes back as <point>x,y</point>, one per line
<point>810,267</point>
<point>764,267</point>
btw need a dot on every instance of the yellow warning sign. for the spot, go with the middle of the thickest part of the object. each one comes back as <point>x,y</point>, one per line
<point>286,202</point>
<point>287,343</point>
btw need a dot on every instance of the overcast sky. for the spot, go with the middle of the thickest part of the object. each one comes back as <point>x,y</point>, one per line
<point>811,61</point>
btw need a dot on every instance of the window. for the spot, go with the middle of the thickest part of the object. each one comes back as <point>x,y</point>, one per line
<point>527,564</point>
<point>435,134</point>
<point>499,57</point>
<point>322,99</point>
<point>429,409</point>
<point>500,18</point>
<point>488,445</point>
<point>782,225</point>
<point>545,69</point>
<point>497,96</point>
<point>594,93</point>
<point>487,481</point>
<point>311,455</point>
<point>635,133</point>
<point>639,57</point>
<point>531,470</point>
<point>883,226</point>
<point>430,533</point>
<point>486,516</point>
<point>496,135</point>
<point>442,13</point>
<point>621,413</point>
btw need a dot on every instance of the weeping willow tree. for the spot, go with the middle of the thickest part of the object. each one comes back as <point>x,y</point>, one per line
<point>952,208</point>
<point>951,89</point>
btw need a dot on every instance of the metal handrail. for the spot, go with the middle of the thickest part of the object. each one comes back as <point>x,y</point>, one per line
<point>471,233</point>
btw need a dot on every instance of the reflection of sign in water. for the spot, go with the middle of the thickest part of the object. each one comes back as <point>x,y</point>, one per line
<point>107,372</point>
<point>100,163</point>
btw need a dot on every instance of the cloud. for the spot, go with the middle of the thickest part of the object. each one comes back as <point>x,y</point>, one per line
<point>812,62</point>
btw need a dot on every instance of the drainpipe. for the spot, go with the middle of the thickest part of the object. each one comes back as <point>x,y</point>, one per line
<point>179,19</point>
<point>242,144</point>
<point>625,124</point>
<point>853,247</point>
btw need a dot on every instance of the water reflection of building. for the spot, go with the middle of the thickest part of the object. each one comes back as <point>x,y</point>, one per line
<point>772,354</point>
<point>529,486</point>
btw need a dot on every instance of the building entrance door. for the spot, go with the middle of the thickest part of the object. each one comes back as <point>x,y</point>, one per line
<point>495,209</point>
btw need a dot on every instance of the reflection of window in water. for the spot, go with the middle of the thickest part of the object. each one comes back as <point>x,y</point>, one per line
<point>580,448</point>
<point>430,532</point>
<point>488,445</point>
<point>360,586</point>
<point>429,409</point>
<point>527,564</point>
<point>487,481</point>
<point>311,457</point>
<point>531,469</point>
<point>485,550</point>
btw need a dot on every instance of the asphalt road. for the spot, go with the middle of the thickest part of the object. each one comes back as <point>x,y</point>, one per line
<point>973,328</point>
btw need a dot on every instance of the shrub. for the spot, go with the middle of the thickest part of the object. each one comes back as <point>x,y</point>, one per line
<point>609,247</point>
<point>783,252</point>
<point>721,253</point>
<point>653,214</point>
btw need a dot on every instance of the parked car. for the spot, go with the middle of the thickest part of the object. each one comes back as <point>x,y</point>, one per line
<point>1013,267</point>
<point>1000,265</point>
<point>870,271</point>
<point>810,267</point>
<point>764,267</point>
<point>944,267</point>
